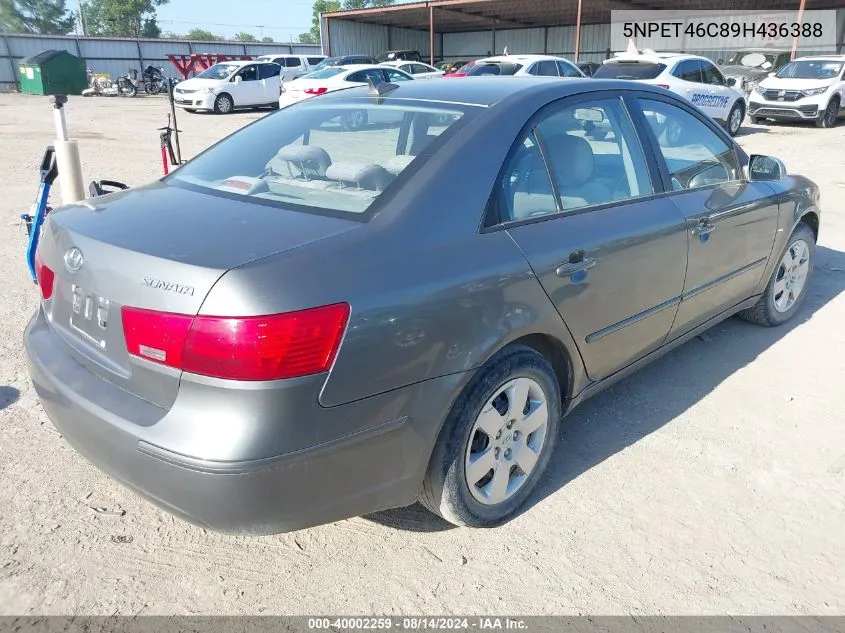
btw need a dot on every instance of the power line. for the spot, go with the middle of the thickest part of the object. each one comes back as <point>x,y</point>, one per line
<point>245,26</point>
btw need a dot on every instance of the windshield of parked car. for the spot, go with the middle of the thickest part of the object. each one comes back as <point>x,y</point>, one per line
<point>337,156</point>
<point>751,59</point>
<point>629,70</point>
<point>328,61</point>
<point>218,71</point>
<point>325,73</point>
<point>810,70</point>
<point>493,68</point>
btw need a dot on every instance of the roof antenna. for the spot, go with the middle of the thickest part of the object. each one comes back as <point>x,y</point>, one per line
<point>381,88</point>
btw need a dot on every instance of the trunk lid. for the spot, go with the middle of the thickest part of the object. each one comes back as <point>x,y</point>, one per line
<point>161,248</point>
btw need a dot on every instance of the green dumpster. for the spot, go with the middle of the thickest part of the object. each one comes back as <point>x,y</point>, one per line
<point>52,72</point>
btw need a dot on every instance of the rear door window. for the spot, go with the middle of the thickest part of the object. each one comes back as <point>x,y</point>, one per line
<point>362,76</point>
<point>568,70</point>
<point>711,74</point>
<point>546,68</point>
<point>265,71</point>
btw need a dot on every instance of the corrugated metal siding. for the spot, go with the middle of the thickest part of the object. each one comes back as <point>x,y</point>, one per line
<point>470,44</point>
<point>520,41</point>
<point>348,38</point>
<point>117,55</point>
<point>412,40</point>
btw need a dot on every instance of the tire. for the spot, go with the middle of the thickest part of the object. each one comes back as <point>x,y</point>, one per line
<point>735,117</point>
<point>771,309</point>
<point>830,116</point>
<point>446,488</point>
<point>191,110</point>
<point>127,89</point>
<point>224,104</point>
<point>354,120</point>
<point>755,120</point>
<point>148,88</point>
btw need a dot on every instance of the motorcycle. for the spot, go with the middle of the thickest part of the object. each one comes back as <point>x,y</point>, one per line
<point>100,85</point>
<point>128,84</point>
<point>155,82</point>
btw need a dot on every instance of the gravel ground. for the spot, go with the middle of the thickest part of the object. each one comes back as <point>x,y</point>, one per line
<point>711,482</point>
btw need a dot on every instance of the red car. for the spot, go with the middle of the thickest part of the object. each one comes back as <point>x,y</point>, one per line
<point>462,71</point>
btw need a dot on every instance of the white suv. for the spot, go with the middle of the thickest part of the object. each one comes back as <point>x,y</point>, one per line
<point>806,89</point>
<point>693,77</point>
<point>293,65</point>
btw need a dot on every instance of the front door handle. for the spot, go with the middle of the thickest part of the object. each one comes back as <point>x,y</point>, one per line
<point>570,268</point>
<point>704,228</point>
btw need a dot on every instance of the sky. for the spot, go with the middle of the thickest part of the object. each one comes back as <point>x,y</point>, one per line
<point>283,20</point>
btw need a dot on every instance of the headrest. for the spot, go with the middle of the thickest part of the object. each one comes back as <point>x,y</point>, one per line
<point>309,160</point>
<point>362,175</point>
<point>572,159</point>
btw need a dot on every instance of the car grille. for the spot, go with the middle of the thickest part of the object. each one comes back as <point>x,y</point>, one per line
<point>795,113</point>
<point>788,95</point>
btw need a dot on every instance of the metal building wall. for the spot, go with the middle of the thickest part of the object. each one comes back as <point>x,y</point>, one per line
<point>117,55</point>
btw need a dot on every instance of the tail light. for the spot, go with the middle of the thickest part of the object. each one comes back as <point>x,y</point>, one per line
<point>664,86</point>
<point>316,91</point>
<point>45,276</point>
<point>271,347</point>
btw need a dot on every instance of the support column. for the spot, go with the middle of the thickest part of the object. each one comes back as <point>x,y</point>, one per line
<point>431,35</point>
<point>799,21</point>
<point>578,32</point>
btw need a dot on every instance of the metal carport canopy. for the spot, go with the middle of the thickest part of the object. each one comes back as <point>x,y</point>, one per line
<point>452,16</point>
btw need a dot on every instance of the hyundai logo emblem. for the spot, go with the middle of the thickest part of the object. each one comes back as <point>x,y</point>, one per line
<point>74,260</point>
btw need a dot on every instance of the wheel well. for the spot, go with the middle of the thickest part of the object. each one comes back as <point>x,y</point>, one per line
<point>554,352</point>
<point>812,220</point>
<point>741,104</point>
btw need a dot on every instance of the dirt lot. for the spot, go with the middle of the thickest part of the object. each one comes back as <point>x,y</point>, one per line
<point>711,482</point>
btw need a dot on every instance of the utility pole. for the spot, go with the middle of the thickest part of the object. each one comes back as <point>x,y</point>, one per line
<point>82,19</point>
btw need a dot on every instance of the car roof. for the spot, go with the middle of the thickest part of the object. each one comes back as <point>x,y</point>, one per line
<point>653,58</point>
<point>758,49</point>
<point>821,58</point>
<point>519,58</point>
<point>487,93</point>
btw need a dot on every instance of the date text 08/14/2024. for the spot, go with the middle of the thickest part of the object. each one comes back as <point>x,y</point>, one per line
<point>479,623</point>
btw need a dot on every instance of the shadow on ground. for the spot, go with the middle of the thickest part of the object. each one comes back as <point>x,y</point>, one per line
<point>654,396</point>
<point>8,396</point>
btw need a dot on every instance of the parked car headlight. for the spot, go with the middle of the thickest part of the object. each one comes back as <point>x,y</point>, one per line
<point>812,92</point>
<point>751,85</point>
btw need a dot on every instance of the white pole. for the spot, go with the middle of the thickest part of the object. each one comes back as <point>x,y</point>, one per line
<point>67,156</point>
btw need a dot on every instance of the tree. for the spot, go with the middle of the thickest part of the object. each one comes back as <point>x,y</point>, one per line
<point>320,6</point>
<point>44,17</point>
<point>267,40</point>
<point>245,37</point>
<point>121,18</point>
<point>201,34</point>
<point>326,6</point>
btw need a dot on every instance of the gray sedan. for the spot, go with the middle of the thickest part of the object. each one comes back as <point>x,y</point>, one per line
<point>308,322</point>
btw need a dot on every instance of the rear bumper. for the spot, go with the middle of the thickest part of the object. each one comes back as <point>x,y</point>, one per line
<point>358,473</point>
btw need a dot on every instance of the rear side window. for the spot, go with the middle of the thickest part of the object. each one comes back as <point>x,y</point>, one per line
<point>313,61</point>
<point>498,68</point>
<point>695,156</point>
<point>629,70</point>
<point>589,151</point>
<point>689,70</point>
<point>363,75</point>
<point>265,71</point>
<point>337,156</point>
<point>292,62</point>
<point>544,69</point>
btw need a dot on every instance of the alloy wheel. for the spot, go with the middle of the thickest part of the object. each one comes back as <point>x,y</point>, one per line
<point>506,441</point>
<point>791,276</point>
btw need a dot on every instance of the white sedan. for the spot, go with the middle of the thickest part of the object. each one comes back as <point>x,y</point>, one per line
<point>228,85</point>
<point>525,65</point>
<point>693,77</point>
<point>338,78</point>
<point>417,69</point>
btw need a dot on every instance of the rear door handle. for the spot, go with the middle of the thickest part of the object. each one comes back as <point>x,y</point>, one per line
<point>704,228</point>
<point>570,268</point>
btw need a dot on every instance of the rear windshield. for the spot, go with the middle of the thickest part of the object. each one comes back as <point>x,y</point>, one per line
<point>336,156</point>
<point>325,73</point>
<point>629,70</point>
<point>500,68</point>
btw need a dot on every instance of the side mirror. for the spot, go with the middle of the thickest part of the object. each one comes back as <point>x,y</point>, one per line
<point>731,81</point>
<point>237,79</point>
<point>765,168</point>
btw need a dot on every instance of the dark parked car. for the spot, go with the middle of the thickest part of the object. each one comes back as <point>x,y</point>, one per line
<point>588,68</point>
<point>305,323</point>
<point>392,56</point>
<point>750,66</point>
